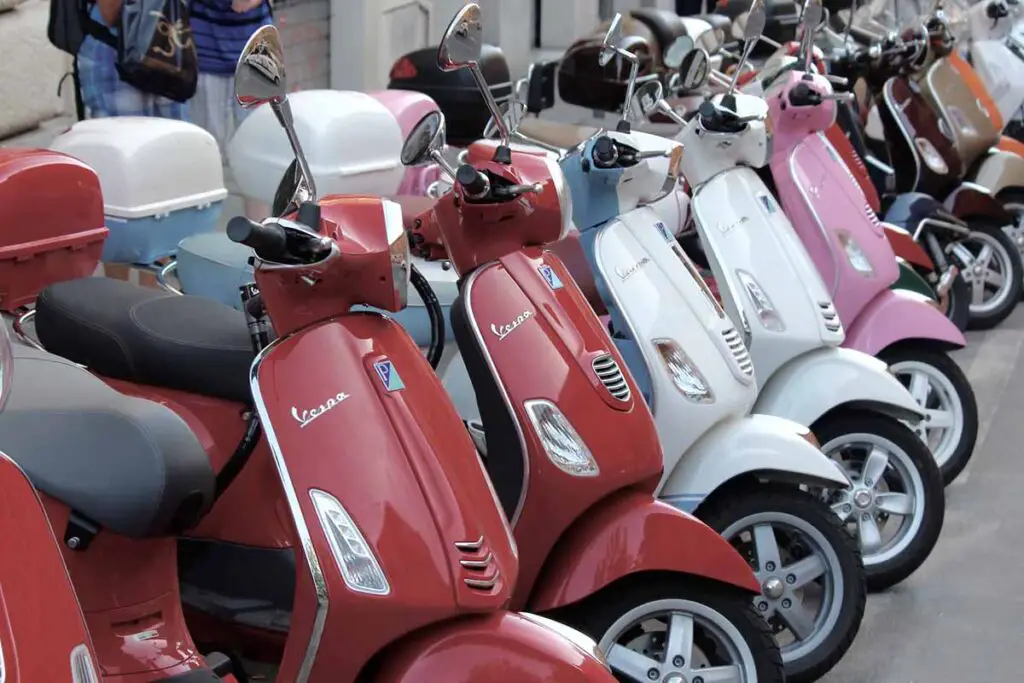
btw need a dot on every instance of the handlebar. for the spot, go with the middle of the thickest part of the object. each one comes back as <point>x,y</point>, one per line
<point>802,95</point>
<point>605,152</point>
<point>474,183</point>
<point>277,241</point>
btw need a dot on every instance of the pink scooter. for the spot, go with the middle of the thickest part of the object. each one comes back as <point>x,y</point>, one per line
<point>849,247</point>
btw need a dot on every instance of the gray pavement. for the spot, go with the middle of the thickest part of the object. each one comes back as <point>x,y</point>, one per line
<point>960,617</point>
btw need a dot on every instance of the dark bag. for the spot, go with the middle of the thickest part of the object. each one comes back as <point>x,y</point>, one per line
<point>155,51</point>
<point>70,23</point>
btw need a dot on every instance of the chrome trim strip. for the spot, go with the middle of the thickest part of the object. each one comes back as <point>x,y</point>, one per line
<point>305,540</point>
<point>470,546</point>
<point>467,293</point>
<point>472,564</point>
<point>941,225</point>
<point>883,167</point>
<point>817,220</point>
<point>481,584</point>
<point>897,115</point>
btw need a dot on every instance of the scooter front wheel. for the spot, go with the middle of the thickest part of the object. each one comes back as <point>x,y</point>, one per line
<point>811,575</point>
<point>990,263</point>
<point>897,504</point>
<point>665,627</point>
<point>941,388</point>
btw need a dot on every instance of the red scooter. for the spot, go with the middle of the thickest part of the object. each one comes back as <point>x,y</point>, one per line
<point>570,445</point>
<point>404,563</point>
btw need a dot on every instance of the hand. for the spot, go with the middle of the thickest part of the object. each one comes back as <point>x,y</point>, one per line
<point>240,6</point>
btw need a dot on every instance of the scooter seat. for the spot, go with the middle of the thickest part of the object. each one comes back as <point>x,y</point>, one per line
<point>130,465</point>
<point>718,21</point>
<point>148,336</point>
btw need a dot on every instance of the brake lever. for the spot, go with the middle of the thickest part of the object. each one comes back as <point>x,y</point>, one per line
<point>517,190</point>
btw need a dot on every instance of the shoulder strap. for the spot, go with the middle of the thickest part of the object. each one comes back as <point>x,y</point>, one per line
<point>94,28</point>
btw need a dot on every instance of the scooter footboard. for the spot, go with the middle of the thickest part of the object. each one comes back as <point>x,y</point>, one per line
<point>501,647</point>
<point>811,385</point>
<point>895,316</point>
<point>664,539</point>
<point>760,445</point>
<point>35,581</point>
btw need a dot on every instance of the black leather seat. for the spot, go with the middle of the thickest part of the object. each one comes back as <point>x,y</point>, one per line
<point>131,465</point>
<point>664,25</point>
<point>123,331</point>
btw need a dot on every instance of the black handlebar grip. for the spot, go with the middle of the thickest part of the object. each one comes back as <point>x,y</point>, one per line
<point>263,239</point>
<point>802,96</point>
<point>471,180</point>
<point>605,153</point>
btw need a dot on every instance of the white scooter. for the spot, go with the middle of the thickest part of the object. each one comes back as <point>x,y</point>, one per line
<point>995,43</point>
<point>738,472</point>
<point>851,402</point>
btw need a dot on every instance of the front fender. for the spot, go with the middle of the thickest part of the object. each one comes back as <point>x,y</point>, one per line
<point>634,533</point>
<point>998,171</point>
<point>899,315</point>
<point>811,385</point>
<point>971,199</point>
<point>763,445</point>
<point>498,647</point>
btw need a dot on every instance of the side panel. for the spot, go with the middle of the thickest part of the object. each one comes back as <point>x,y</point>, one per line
<point>971,199</point>
<point>540,339</point>
<point>1000,171</point>
<point>743,229</point>
<point>897,316</point>
<point>591,555</point>
<point>497,648</point>
<point>963,111</point>
<point>658,298</point>
<point>815,383</point>
<point>351,408</point>
<point>41,621</point>
<point>839,215</point>
<point>769,446</point>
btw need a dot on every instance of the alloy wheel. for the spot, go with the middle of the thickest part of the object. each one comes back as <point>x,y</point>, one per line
<point>678,641</point>
<point>884,508</point>
<point>796,567</point>
<point>943,424</point>
<point>986,267</point>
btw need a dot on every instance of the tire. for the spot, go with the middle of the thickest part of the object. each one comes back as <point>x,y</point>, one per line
<point>858,440</point>
<point>615,615</point>
<point>805,523</point>
<point>1013,201</point>
<point>953,448</point>
<point>990,303</point>
<point>959,309</point>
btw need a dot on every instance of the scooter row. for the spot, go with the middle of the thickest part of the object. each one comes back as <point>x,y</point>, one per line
<point>742,473</point>
<point>139,419</point>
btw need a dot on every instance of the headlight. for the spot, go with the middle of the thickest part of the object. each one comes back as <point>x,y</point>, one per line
<point>685,375</point>
<point>563,445</point>
<point>931,156</point>
<point>579,639</point>
<point>855,255</point>
<point>82,668</point>
<point>359,568</point>
<point>766,312</point>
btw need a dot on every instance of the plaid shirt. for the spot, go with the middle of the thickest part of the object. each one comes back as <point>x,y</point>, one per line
<point>105,94</point>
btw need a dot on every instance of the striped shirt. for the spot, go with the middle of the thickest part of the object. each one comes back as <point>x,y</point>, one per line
<point>220,33</point>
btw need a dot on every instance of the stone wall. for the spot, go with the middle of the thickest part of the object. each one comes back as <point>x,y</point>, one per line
<point>305,32</point>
